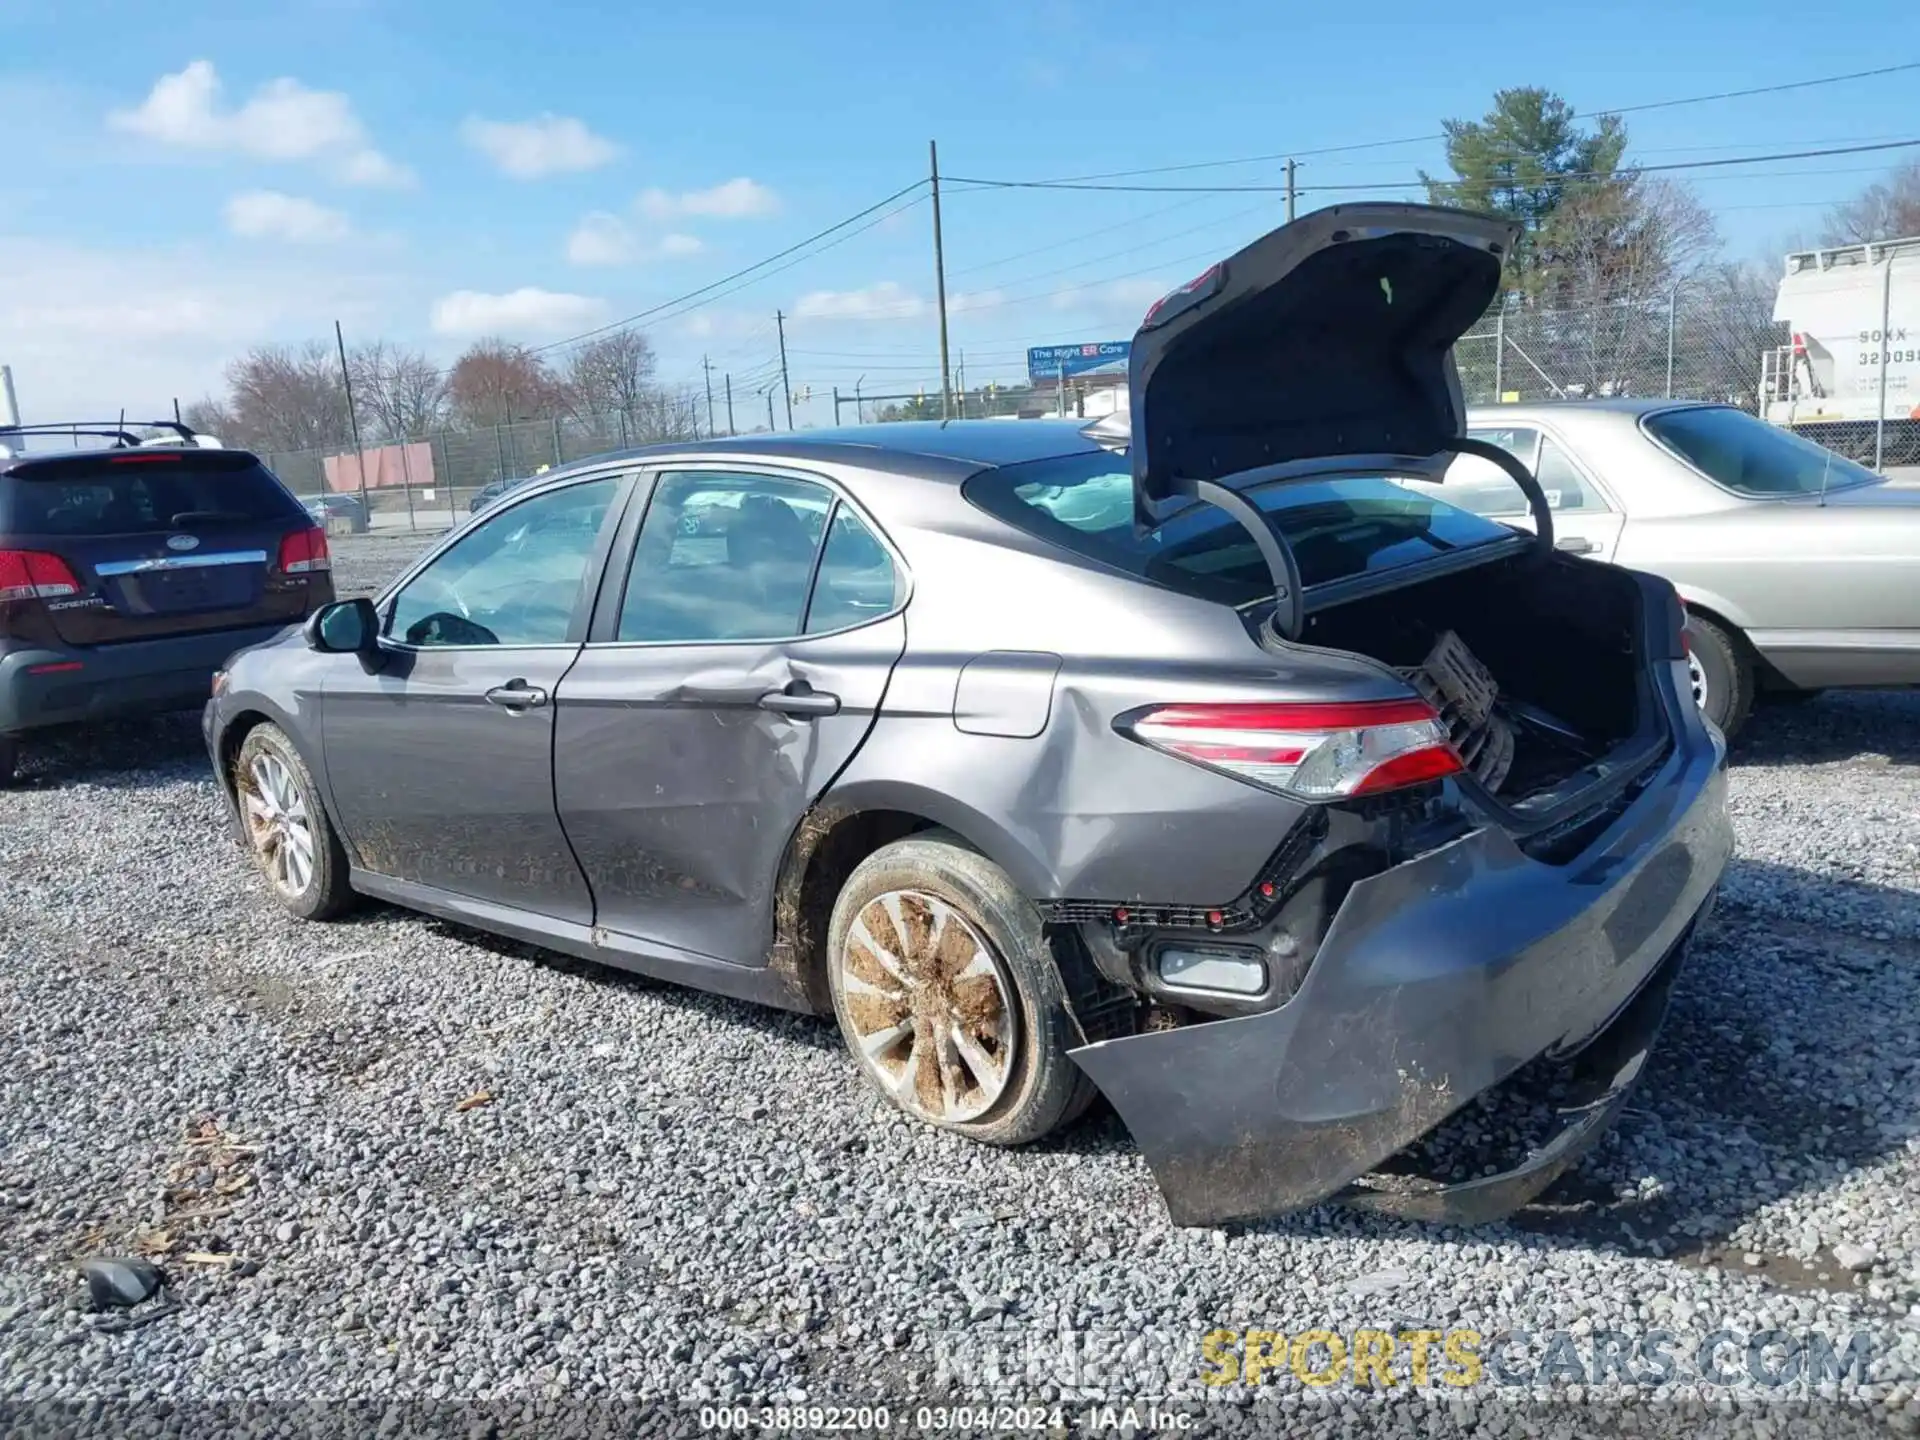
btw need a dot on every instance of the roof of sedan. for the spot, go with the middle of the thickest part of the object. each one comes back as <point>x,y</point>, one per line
<point>969,444</point>
<point>1619,405</point>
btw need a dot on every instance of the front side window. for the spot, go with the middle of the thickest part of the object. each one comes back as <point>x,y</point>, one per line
<point>724,556</point>
<point>513,579</point>
<point>1750,457</point>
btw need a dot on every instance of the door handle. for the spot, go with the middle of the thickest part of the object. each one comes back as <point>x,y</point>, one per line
<point>516,695</point>
<point>1575,545</point>
<point>800,700</point>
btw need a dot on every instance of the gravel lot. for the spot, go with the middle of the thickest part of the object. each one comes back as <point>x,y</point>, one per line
<point>442,1165</point>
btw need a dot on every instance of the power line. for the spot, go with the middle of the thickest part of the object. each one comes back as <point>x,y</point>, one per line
<point>707,289</point>
<point>1620,172</point>
<point>1428,139</point>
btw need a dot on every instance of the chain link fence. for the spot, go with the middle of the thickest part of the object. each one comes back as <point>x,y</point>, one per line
<point>1710,344</point>
<point>429,482</point>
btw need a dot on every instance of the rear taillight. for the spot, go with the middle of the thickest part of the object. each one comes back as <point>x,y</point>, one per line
<point>304,551</point>
<point>35,575</point>
<point>1317,752</point>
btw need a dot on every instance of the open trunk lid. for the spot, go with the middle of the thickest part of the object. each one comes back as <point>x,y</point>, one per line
<point>1328,339</point>
<point>162,542</point>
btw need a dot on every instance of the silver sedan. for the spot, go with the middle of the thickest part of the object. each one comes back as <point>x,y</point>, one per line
<point>1800,569</point>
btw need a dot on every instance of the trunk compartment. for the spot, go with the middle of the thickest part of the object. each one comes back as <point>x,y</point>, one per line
<point>1541,672</point>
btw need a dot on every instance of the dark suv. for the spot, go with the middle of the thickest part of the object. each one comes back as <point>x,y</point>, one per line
<point>128,572</point>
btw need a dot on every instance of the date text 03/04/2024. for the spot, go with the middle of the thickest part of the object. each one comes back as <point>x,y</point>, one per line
<point>1132,1418</point>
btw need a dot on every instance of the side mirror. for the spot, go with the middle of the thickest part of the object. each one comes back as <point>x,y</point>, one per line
<point>346,627</point>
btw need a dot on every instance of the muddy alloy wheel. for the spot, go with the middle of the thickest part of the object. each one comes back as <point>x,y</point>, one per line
<point>930,1006</point>
<point>1697,676</point>
<point>279,826</point>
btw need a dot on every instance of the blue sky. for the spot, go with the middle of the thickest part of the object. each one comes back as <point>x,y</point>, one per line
<point>190,179</point>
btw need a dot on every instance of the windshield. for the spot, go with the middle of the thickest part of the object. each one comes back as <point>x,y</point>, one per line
<point>1337,528</point>
<point>1750,457</point>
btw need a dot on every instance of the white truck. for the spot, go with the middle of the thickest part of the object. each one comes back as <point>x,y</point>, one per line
<point>1854,315</point>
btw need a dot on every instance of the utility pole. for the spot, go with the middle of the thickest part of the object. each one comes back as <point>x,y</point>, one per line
<point>707,366</point>
<point>786,385</point>
<point>1290,168</point>
<point>1886,354</point>
<point>730,429</point>
<point>940,283</point>
<point>769,409</point>
<point>353,417</point>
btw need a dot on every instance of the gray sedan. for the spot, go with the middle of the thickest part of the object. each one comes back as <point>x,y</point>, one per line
<point>1800,569</point>
<point>1264,819</point>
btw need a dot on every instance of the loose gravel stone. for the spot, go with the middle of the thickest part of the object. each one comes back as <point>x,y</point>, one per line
<point>675,1198</point>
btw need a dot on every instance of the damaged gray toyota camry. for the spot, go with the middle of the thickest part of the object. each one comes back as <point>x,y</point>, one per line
<point>1199,763</point>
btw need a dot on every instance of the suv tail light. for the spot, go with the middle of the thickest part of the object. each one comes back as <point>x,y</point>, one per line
<point>304,551</point>
<point>35,575</point>
<point>1317,752</point>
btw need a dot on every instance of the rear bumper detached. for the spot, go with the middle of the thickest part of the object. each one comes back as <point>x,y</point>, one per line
<point>49,685</point>
<point>1438,980</point>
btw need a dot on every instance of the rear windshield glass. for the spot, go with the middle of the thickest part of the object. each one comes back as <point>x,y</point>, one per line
<point>1750,457</point>
<point>1337,528</point>
<point>139,496</point>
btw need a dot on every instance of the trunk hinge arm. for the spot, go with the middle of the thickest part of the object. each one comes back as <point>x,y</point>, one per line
<point>1289,614</point>
<point>1523,477</point>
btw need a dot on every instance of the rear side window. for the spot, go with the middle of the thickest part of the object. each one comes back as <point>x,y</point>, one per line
<point>1337,528</point>
<point>138,493</point>
<point>1750,457</point>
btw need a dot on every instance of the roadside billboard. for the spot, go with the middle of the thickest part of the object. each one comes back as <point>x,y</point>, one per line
<point>1047,363</point>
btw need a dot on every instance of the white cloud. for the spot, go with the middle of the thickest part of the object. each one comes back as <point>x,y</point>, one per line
<point>600,239</point>
<point>139,324</point>
<point>273,215</point>
<point>719,324</point>
<point>282,120</point>
<point>976,300</point>
<point>525,311</point>
<point>372,169</point>
<point>605,239</point>
<point>739,199</point>
<point>887,300</point>
<point>546,145</point>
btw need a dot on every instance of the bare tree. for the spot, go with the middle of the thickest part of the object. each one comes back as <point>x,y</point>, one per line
<point>1727,320</point>
<point>209,416</point>
<point>1610,262</point>
<point>400,393</point>
<point>496,381</point>
<point>609,375</point>
<point>1886,210</point>
<point>288,398</point>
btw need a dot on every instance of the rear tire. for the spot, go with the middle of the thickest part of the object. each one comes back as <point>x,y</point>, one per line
<point>1722,674</point>
<point>9,759</point>
<point>289,834</point>
<point>948,995</point>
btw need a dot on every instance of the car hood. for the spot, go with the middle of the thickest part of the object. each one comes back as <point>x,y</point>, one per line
<point>1330,338</point>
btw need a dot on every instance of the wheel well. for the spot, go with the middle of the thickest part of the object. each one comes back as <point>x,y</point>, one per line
<point>1764,675</point>
<point>233,737</point>
<point>825,847</point>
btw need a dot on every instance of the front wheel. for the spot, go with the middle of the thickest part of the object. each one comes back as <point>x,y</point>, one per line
<point>1721,675</point>
<point>948,994</point>
<point>289,833</point>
